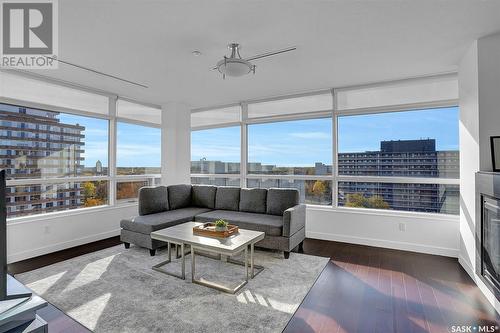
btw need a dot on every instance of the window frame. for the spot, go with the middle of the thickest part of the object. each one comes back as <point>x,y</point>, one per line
<point>112,178</point>
<point>334,113</point>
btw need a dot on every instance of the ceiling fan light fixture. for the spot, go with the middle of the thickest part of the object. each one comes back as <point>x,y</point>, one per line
<point>234,67</point>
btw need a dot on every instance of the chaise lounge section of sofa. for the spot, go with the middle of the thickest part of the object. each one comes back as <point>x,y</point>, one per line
<point>275,211</point>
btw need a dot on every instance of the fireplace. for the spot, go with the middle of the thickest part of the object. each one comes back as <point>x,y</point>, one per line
<point>488,230</point>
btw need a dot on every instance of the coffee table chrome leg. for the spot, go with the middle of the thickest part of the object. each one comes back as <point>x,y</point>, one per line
<point>183,259</point>
<point>254,269</point>
<point>246,263</point>
<point>251,261</point>
<point>192,263</point>
<point>217,286</point>
<point>169,251</point>
<point>158,267</point>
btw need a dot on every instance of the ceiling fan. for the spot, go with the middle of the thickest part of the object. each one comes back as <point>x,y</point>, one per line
<point>235,65</point>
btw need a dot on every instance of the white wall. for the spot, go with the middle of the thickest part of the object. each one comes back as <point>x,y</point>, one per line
<point>479,82</point>
<point>176,144</point>
<point>469,146</point>
<point>424,233</point>
<point>37,235</point>
<point>488,53</point>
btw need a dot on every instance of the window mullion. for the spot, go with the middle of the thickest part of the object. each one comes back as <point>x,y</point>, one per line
<point>335,157</point>
<point>112,151</point>
<point>244,145</point>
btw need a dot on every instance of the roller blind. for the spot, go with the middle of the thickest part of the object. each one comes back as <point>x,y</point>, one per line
<point>404,92</point>
<point>214,117</point>
<point>38,91</point>
<point>136,111</point>
<point>294,105</point>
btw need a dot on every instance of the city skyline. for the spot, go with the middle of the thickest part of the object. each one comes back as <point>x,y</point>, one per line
<point>294,143</point>
<point>302,143</point>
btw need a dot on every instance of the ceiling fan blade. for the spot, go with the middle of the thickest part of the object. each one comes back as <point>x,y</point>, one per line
<point>271,53</point>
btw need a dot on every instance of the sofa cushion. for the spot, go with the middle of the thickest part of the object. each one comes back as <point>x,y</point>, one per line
<point>253,200</point>
<point>153,199</point>
<point>203,196</point>
<point>146,224</point>
<point>280,199</point>
<point>227,198</point>
<point>179,196</point>
<point>272,225</point>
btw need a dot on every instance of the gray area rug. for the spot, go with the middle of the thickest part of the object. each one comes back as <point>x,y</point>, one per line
<point>115,290</point>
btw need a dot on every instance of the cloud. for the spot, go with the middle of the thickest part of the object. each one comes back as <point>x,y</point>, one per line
<point>311,135</point>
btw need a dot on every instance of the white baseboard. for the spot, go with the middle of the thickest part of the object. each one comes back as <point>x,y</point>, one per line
<point>60,246</point>
<point>436,250</point>
<point>467,267</point>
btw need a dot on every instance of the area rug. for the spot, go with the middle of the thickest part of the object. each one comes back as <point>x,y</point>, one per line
<point>115,290</point>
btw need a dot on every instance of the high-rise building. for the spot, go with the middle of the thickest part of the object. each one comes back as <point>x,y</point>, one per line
<point>36,144</point>
<point>403,158</point>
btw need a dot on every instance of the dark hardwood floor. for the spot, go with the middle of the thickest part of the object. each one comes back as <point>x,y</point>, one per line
<point>368,289</point>
<point>362,289</point>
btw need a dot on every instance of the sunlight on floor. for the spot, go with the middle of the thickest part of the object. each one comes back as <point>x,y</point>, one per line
<point>90,273</point>
<point>420,322</point>
<point>41,286</point>
<point>247,297</point>
<point>90,312</point>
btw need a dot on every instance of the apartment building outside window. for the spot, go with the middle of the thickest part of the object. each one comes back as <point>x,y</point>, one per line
<point>40,144</point>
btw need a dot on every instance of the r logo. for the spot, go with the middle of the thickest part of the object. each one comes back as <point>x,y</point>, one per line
<point>27,28</point>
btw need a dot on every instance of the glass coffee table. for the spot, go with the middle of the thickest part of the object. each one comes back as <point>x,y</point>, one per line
<point>182,235</point>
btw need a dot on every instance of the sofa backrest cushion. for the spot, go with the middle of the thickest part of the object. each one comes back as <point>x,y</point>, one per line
<point>179,196</point>
<point>203,196</point>
<point>280,199</point>
<point>227,198</point>
<point>253,200</point>
<point>153,199</point>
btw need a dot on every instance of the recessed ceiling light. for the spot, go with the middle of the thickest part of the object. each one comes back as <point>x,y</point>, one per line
<point>196,53</point>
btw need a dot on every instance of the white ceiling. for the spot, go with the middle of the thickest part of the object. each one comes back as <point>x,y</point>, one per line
<point>339,43</point>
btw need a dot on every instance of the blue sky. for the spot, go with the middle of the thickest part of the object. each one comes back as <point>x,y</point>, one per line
<point>364,132</point>
<point>291,143</point>
<point>137,145</point>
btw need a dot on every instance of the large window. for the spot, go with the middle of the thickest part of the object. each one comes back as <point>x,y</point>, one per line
<point>410,144</point>
<point>300,147</point>
<point>422,143</point>
<point>46,144</point>
<point>55,146</point>
<point>395,146</point>
<point>215,151</point>
<point>138,150</point>
<point>293,148</point>
<point>43,145</point>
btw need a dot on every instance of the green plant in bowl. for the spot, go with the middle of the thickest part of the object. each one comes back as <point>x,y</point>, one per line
<point>221,225</point>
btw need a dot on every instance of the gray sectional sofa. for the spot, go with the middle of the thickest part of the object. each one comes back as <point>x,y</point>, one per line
<point>276,212</point>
